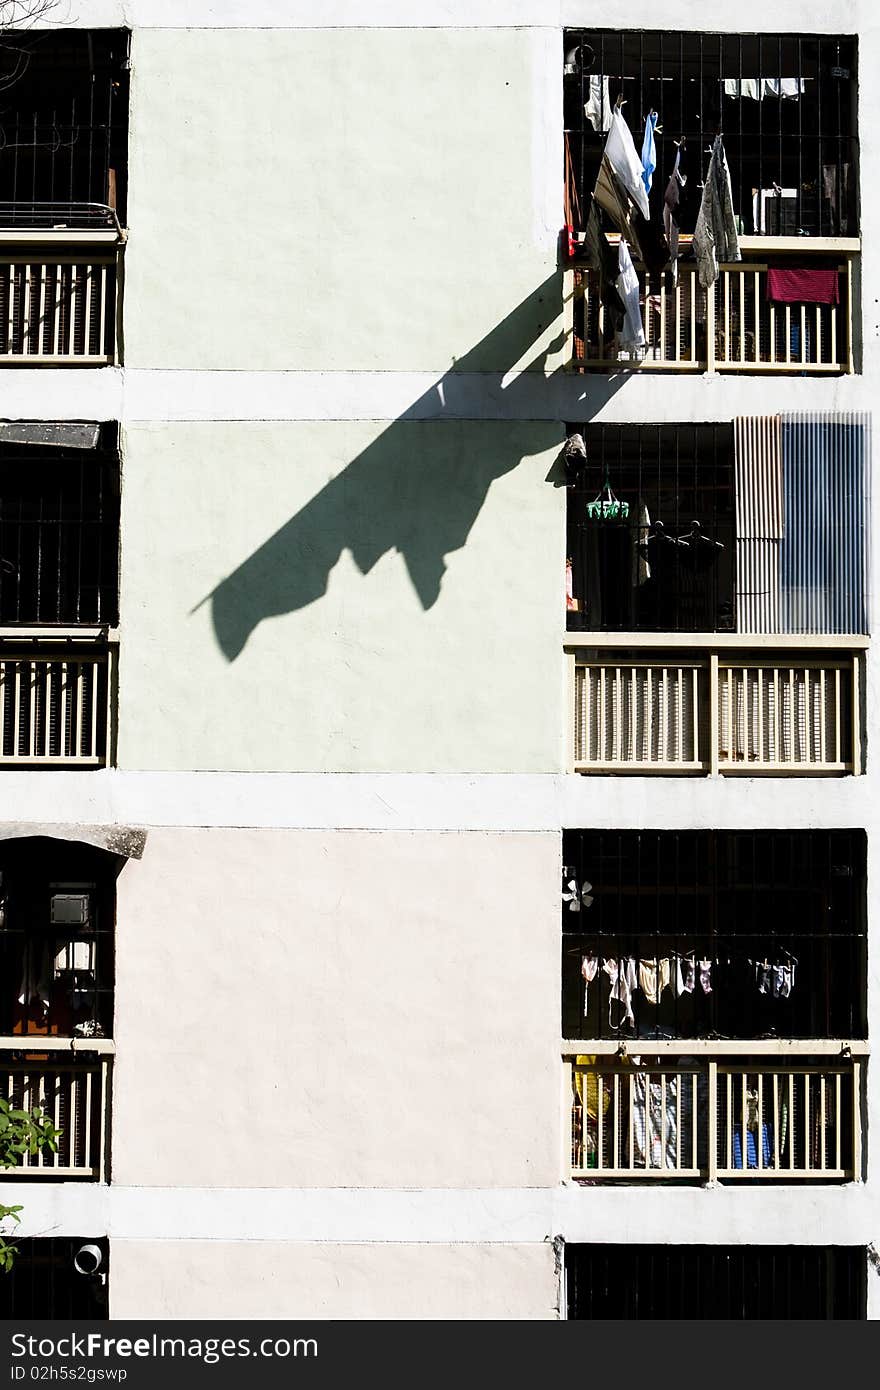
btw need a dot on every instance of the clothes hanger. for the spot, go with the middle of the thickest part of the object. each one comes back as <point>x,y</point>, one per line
<point>658,532</point>
<point>696,535</point>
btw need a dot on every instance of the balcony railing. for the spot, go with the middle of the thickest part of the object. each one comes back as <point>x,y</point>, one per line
<point>733,327</point>
<point>678,1116</point>
<point>69,1080</point>
<point>57,694</point>
<point>59,288</point>
<point>727,710</point>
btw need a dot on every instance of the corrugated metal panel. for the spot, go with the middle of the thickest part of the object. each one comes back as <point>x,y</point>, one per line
<point>759,521</point>
<point>824,548</point>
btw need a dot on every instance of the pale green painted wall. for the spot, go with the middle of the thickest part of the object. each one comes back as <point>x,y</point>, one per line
<point>338,199</point>
<point>451,665</point>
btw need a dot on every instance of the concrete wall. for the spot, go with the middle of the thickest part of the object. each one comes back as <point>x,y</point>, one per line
<point>326,1010</point>
<point>267,1279</point>
<point>380,1010</point>
<point>398,556</point>
<point>336,199</point>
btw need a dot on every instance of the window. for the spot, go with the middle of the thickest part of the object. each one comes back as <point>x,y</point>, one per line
<point>59,533</point>
<point>626,573</point>
<point>57,1278</point>
<point>63,126</point>
<point>779,918</point>
<point>57,916</point>
<point>784,103</point>
<point>715,1281</point>
<point>757,526</point>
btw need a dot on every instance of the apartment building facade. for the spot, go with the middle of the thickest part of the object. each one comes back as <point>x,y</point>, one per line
<point>437,740</point>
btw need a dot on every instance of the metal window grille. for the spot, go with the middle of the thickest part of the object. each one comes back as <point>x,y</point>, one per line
<point>622,577</point>
<point>715,1281</point>
<point>59,535</point>
<point>728,897</point>
<point>793,158</point>
<point>45,1283</point>
<point>63,124</point>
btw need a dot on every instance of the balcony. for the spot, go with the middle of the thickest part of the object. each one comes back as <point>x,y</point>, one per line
<point>57,697</point>
<point>717,705</point>
<point>733,327</point>
<point>681,1113</point>
<point>68,1079</point>
<point>59,281</point>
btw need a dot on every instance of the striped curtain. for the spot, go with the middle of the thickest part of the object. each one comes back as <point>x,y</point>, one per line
<point>823,556</point>
<point>801,514</point>
<point>759,521</point>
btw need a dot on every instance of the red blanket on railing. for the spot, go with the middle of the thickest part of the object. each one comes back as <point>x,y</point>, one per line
<point>803,286</point>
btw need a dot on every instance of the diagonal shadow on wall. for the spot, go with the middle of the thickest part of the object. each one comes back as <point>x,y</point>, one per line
<point>392,498</point>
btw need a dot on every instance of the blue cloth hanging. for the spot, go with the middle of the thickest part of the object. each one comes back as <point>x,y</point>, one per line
<point>751,1147</point>
<point>649,151</point>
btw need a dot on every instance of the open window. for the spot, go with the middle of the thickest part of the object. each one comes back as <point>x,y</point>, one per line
<point>729,1282</point>
<point>732,934</point>
<point>64,128</point>
<point>59,525</point>
<point>57,922</point>
<point>784,103</point>
<point>757,526</point>
<point>57,1277</point>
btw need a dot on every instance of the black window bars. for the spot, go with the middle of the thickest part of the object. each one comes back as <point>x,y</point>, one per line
<point>785,105</point>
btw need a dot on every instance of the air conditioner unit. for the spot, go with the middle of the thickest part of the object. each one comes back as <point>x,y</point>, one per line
<point>70,908</point>
<point>775,211</point>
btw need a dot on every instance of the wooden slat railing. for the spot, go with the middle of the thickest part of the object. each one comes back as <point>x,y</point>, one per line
<point>73,1091</point>
<point>56,705</point>
<point>672,1118</point>
<point>727,712</point>
<point>58,308</point>
<point>732,328</point>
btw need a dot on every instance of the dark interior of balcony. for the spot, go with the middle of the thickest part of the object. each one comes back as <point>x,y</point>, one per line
<point>59,533</point>
<point>785,105</point>
<point>63,127</point>
<point>638,564</point>
<point>57,917</point>
<point>729,934</point>
<point>57,1277</point>
<point>731,1282</point>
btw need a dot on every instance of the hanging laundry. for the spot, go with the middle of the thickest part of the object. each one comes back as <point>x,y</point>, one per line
<point>37,974</point>
<point>649,151</point>
<point>624,981</point>
<point>599,256</point>
<point>589,970</point>
<point>671,212</point>
<point>685,976</point>
<point>571,603</point>
<point>706,976</point>
<point>632,335</point>
<point>598,104</point>
<point>654,977</point>
<point>783,979</point>
<point>641,568</point>
<point>756,88</point>
<point>806,286</point>
<point>841,212</point>
<point>621,161</point>
<point>715,238</point>
<point>747,87</point>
